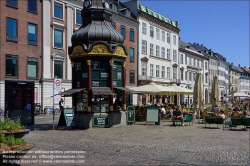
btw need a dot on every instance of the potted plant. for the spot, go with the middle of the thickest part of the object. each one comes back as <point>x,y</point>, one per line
<point>12,147</point>
<point>10,127</point>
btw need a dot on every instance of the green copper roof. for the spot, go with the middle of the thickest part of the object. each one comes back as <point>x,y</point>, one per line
<point>158,16</point>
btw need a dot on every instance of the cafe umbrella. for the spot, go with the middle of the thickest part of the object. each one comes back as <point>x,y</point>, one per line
<point>214,97</point>
<point>198,97</point>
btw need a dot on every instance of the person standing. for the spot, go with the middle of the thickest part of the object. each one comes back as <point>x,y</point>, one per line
<point>61,105</point>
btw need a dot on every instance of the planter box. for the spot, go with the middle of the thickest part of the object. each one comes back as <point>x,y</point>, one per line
<point>17,134</point>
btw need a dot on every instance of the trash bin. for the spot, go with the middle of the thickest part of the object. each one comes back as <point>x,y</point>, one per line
<point>159,121</point>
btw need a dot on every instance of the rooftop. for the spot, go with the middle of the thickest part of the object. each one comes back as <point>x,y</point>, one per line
<point>157,15</point>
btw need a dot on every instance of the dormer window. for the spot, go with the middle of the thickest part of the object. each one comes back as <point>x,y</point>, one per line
<point>114,7</point>
<point>123,11</point>
<point>128,13</point>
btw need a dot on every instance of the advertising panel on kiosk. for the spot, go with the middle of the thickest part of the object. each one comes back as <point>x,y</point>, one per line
<point>19,102</point>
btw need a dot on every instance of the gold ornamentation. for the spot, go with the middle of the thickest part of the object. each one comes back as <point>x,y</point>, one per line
<point>89,108</point>
<point>98,50</point>
<point>77,51</point>
<point>88,62</point>
<point>72,64</point>
<point>111,62</point>
<point>120,51</point>
<point>124,106</point>
<point>111,108</point>
<point>123,64</point>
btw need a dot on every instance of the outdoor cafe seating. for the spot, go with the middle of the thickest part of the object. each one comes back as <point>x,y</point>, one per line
<point>211,118</point>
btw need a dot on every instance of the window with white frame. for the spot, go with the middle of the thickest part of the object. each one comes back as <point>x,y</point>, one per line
<point>157,34</point>
<point>58,10</point>
<point>163,52</point>
<point>151,31</point>
<point>151,70</point>
<point>205,65</point>
<point>168,72</point>
<point>186,60</point>
<point>58,38</point>
<point>174,55</point>
<point>144,28</point>
<point>163,72</point>
<point>168,53</point>
<point>168,37</point>
<point>190,76</point>
<point>181,60</point>
<point>194,62</point>
<point>157,71</point>
<point>206,78</point>
<point>143,68</point>
<point>163,36</point>
<point>202,64</point>
<point>182,75</point>
<point>151,49</point>
<point>194,75</point>
<point>157,50</point>
<point>186,75</point>
<point>144,47</point>
<point>58,64</point>
<point>174,72</point>
<point>198,64</point>
<point>189,61</point>
<point>174,40</point>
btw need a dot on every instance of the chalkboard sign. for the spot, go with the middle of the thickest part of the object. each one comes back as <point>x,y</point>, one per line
<point>131,114</point>
<point>152,113</point>
<point>101,121</point>
<point>19,99</point>
<point>69,117</point>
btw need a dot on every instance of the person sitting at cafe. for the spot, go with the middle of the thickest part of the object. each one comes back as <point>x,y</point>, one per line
<point>215,109</point>
<point>221,114</point>
<point>236,109</point>
<point>177,115</point>
<point>163,111</point>
<point>246,107</point>
<point>245,115</point>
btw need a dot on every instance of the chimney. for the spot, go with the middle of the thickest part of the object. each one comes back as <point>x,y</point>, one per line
<point>238,65</point>
<point>244,66</point>
<point>201,45</point>
<point>232,64</point>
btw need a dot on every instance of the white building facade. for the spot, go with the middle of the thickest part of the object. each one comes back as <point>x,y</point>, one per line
<point>157,49</point>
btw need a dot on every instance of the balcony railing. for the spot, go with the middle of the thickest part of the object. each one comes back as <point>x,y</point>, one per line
<point>145,78</point>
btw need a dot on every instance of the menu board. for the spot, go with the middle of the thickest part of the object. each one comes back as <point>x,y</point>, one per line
<point>19,99</point>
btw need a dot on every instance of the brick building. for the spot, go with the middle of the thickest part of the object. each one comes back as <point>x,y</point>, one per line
<point>20,43</point>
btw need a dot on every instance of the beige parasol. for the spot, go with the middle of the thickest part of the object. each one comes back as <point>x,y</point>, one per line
<point>198,95</point>
<point>214,97</point>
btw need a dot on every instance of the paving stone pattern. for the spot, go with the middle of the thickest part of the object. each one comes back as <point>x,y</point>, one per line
<point>147,144</point>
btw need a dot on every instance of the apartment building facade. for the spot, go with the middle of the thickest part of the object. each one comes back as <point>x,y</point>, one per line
<point>125,22</point>
<point>234,78</point>
<point>245,80</point>
<point>20,43</point>
<point>191,63</point>
<point>158,49</point>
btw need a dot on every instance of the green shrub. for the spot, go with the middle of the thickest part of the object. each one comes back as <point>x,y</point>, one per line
<point>12,141</point>
<point>10,125</point>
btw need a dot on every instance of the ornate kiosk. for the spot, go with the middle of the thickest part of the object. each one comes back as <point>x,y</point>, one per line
<point>98,58</point>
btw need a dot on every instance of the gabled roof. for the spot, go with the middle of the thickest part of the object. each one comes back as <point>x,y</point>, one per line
<point>157,15</point>
<point>202,49</point>
<point>121,7</point>
<point>184,45</point>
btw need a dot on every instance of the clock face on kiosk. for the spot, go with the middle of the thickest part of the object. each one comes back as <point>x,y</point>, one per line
<point>106,4</point>
<point>86,3</point>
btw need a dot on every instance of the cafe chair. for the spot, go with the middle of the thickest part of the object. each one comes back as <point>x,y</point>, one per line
<point>235,115</point>
<point>188,118</point>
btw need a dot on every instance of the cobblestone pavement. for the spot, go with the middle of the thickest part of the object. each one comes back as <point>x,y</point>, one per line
<point>144,144</point>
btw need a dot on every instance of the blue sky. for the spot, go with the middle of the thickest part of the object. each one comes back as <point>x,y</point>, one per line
<point>220,25</point>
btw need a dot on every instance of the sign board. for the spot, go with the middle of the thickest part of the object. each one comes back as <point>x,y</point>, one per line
<point>101,121</point>
<point>131,114</point>
<point>152,114</point>
<point>57,83</point>
<point>57,95</point>
<point>19,99</point>
<point>69,116</point>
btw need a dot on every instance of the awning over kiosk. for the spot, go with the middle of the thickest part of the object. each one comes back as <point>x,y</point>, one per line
<point>128,91</point>
<point>69,92</point>
<point>101,91</point>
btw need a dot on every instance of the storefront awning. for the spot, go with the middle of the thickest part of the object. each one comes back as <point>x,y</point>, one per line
<point>69,92</point>
<point>128,91</point>
<point>101,91</point>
